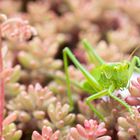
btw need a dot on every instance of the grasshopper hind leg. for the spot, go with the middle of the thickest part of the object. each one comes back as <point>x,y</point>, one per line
<point>92,81</point>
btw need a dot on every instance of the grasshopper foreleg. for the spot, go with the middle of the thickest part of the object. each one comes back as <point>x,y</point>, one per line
<point>93,97</point>
<point>122,103</point>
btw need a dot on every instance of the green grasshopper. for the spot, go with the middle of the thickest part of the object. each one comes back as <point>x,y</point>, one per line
<point>103,80</point>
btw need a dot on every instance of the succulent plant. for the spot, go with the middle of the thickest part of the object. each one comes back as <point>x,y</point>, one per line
<point>35,98</point>
<point>47,134</point>
<point>19,30</point>
<point>10,131</point>
<point>134,90</point>
<point>12,87</point>
<point>129,126</point>
<point>31,68</point>
<point>60,116</point>
<point>90,131</point>
<point>126,6</point>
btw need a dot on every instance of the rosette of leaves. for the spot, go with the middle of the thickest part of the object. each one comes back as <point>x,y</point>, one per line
<point>32,105</point>
<point>75,15</point>
<point>36,97</point>
<point>60,116</point>
<point>129,126</point>
<point>113,54</point>
<point>47,134</point>
<point>38,65</point>
<point>11,77</point>
<point>126,6</point>
<point>12,86</point>
<point>11,74</point>
<point>46,23</point>
<point>90,131</point>
<point>39,11</point>
<point>33,51</point>
<point>121,36</point>
<point>14,29</point>
<point>38,104</point>
<point>10,131</point>
<point>134,90</point>
<point>6,8</point>
<point>28,53</point>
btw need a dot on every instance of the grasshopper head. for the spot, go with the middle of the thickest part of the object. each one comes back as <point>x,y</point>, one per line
<point>121,70</point>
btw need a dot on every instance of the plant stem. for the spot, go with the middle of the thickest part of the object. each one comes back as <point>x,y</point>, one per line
<point>1,88</point>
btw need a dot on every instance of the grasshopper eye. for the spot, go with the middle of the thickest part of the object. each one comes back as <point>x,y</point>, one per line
<point>138,64</point>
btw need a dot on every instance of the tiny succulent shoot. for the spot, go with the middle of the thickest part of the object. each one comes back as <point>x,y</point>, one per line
<point>103,80</point>
<point>134,89</point>
<point>14,29</point>
<point>47,134</point>
<point>9,128</point>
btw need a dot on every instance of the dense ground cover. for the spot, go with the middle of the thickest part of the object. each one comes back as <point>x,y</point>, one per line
<point>36,104</point>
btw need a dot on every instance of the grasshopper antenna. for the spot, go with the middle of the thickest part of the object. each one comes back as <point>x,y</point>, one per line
<point>138,65</point>
<point>132,53</point>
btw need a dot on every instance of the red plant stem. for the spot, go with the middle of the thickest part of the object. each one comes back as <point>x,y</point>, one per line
<point>1,88</point>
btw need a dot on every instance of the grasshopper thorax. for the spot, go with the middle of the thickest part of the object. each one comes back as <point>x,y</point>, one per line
<point>116,74</point>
